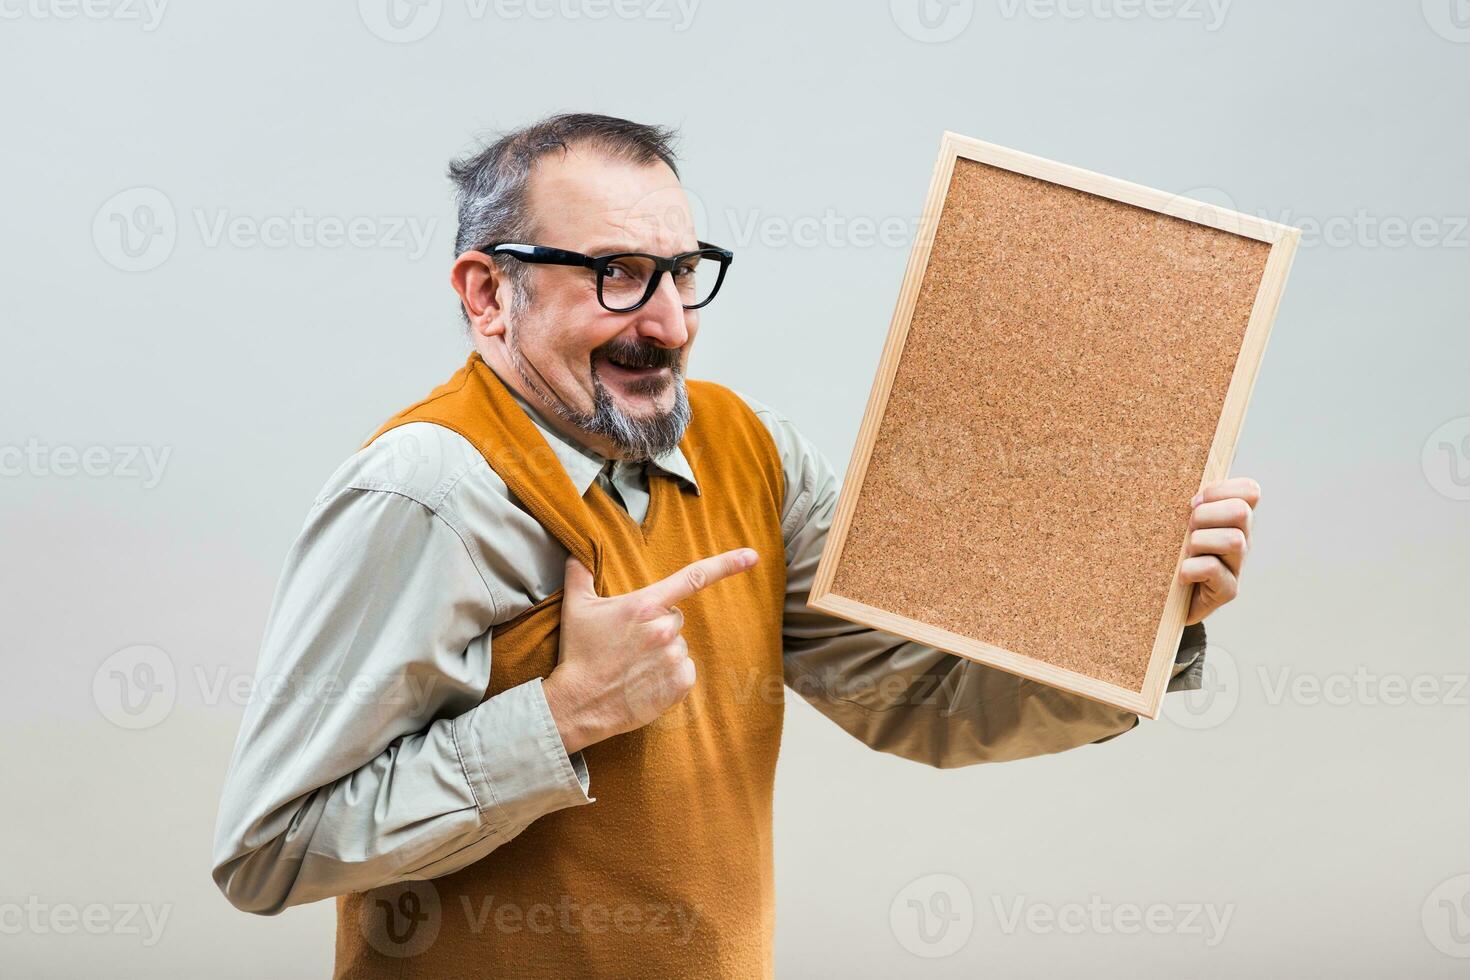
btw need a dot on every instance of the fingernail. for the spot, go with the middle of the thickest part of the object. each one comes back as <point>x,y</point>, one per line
<point>1197,498</point>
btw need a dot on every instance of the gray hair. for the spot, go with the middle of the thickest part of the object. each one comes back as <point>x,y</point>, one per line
<point>491,183</point>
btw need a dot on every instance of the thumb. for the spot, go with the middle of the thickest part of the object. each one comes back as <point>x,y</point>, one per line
<point>577,582</point>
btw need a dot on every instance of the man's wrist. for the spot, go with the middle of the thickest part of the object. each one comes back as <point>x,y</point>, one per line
<point>575,734</point>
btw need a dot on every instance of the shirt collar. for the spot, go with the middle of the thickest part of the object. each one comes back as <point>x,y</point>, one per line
<point>583,465</point>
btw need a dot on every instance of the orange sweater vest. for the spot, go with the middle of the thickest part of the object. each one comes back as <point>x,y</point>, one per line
<point>669,872</point>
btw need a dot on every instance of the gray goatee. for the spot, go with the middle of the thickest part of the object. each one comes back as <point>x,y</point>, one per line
<point>637,439</point>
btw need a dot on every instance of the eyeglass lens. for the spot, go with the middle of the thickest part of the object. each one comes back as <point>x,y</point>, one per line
<point>625,280</point>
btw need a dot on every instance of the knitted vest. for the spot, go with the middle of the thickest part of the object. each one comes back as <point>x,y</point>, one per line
<point>668,873</point>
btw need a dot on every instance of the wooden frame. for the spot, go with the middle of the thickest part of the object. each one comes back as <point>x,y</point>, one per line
<point>1283,241</point>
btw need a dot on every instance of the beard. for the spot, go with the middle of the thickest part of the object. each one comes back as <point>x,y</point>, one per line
<point>635,438</point>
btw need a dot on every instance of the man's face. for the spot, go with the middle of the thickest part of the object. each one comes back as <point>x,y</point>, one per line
<point>617,375</point>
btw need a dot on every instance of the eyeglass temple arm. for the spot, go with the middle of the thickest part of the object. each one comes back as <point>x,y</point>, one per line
<point>541,254</point>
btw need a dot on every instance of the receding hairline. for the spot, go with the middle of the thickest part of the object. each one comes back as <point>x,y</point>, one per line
<point>588,149</point>
<point>498,171</point>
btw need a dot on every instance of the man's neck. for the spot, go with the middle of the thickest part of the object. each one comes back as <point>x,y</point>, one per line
<point>498,362</point>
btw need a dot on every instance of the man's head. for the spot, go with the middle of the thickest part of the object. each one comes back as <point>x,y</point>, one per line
<point>595,185</point>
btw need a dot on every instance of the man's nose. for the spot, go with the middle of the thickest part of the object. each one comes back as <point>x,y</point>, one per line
<point>661,319</point>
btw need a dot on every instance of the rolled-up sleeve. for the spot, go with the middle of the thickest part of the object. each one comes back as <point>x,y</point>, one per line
<point>366,755</point>
<point>903,697</point>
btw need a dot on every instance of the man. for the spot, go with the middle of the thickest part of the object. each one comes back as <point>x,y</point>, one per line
<point>568,566</point>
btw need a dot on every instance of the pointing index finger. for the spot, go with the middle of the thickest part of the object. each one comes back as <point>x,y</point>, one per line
<point>698,575</point>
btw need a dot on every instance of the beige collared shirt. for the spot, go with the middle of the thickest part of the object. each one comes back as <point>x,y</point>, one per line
<point>366,756</point>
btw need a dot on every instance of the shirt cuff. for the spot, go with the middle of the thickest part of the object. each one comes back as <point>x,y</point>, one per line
<point>515,762</point>
<point>1189,662</point>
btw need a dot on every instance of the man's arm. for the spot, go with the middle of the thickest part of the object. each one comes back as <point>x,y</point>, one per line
<point>903,697</point>
<point>365,756</point>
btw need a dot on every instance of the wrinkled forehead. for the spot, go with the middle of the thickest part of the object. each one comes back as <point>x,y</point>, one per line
<point>588,200</point>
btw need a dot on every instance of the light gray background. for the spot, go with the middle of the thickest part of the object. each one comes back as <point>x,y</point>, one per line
<point>1327,817</point>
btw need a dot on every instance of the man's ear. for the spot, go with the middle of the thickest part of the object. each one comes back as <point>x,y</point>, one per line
<point>484,291</point>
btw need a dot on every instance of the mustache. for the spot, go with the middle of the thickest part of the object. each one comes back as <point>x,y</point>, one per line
<point>642,355</point>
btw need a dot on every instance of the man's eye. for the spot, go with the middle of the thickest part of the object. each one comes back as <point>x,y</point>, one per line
<point>684,272</point>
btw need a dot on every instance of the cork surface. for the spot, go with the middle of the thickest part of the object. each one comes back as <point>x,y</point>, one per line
<point>1050,418</point>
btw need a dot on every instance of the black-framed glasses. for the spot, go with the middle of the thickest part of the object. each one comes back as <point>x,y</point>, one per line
<point>627,280</point>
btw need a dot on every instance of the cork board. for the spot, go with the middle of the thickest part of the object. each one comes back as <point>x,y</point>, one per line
<point>1069,361</point>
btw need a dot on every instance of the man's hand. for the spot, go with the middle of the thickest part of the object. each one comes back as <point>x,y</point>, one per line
<point>1219,537</point>
<point>623,661</point>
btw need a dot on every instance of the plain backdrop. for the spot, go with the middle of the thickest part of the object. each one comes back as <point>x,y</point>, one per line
<point>225,233</point>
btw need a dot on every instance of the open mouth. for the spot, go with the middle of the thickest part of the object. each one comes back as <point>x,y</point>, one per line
<point>631,371</point>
